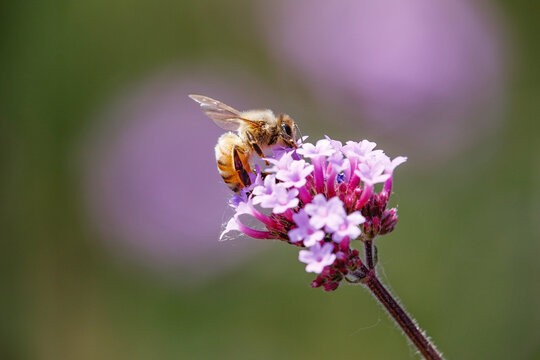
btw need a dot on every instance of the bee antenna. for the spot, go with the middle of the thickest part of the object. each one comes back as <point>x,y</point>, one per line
<point>299,132</point>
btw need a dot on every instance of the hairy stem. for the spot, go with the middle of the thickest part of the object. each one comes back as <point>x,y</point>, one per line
<point>368,253</point>
<point>407,324</point>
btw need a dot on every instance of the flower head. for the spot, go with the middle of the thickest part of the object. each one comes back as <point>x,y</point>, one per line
<point>321,197</point>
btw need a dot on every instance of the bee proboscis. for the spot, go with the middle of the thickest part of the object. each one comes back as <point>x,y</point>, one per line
<point>255,131</point>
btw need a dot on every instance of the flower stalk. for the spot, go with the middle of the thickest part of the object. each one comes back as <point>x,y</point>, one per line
<point>405,322</point>
<point>368,254</point>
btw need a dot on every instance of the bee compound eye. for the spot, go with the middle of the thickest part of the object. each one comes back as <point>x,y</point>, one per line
<point>286,128</point>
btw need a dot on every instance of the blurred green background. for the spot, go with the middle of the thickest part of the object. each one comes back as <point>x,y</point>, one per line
<point>463,259</point>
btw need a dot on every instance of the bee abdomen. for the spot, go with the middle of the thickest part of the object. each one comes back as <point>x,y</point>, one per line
<point>225,161</point>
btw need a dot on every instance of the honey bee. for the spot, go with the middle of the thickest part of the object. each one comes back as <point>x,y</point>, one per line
<point>256,131</point>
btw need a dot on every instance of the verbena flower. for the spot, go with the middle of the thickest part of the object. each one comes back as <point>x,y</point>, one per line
<point>325,213</point>
<point>304,231</point>
<point>275,196</point>
<point>295,174</point>
<point>321,197</point>
<point>347,227</point>
<point>317,257</point>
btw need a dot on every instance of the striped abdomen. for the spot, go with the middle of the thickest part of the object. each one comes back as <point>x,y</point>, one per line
<point>226,162</point>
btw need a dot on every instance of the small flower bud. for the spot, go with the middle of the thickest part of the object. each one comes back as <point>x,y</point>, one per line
<point>375,225</point>
<point>389,221</point>
<point>383,199</point>
<point>331,286</point>
<point>344,244</point>
<point>341,256</point>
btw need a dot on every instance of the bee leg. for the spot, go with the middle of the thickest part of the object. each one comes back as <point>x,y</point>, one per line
<point>255,146</point>
<point>240,169</point>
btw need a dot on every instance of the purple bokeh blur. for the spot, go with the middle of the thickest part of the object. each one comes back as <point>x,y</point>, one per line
<point>429,71</point>
<point>152,183</point>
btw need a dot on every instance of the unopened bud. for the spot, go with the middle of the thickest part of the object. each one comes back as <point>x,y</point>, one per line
<point>331,286</point>
<point>389,221</point>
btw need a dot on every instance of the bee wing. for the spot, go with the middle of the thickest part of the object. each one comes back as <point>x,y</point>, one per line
<point>223,115</point>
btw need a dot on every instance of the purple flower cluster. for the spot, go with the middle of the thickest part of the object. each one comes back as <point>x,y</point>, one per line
<point>320,197</point>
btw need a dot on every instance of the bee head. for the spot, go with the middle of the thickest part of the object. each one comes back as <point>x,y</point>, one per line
<point>287,130</point>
